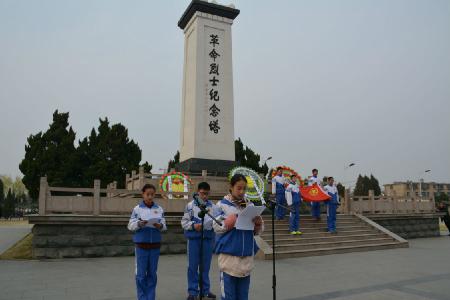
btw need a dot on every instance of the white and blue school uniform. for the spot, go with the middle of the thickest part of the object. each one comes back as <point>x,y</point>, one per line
<point>293,199</point>
<point>315,205</point>
<point>236,249</point>
<point>278,189</point>
<point>189,219</point>
<point>148,242</point>
<point>332,205</point>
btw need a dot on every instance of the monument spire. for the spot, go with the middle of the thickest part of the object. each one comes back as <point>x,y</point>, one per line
<point>207,114</point>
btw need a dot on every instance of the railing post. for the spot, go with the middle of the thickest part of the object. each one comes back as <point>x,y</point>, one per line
<point>347,204</point>
<point>141,177</point>
<point>204,174</point>
<point>127,179</point>
<point>133,175</point>
<point>372,201</point>
<point>394,204</point>
<point>416,205</point>
<point>96,197</point>
<point>43,187</point>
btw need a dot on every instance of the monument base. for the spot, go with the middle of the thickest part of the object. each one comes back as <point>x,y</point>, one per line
<point>216,167</point>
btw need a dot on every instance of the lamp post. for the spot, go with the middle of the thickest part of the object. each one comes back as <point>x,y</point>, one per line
<point>420,182</point>
<point>264,162</point>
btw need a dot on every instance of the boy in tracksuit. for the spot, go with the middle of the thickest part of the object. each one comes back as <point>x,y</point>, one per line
<point>278,189</point>
<point>293,199</point>
<point>147,221</point>
<point>191,223</point>
<point>236,248</point>
<point>332,205</point>
<point>315,206</point>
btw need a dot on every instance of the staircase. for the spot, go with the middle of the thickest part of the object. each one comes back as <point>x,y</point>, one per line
<point>356,233</point>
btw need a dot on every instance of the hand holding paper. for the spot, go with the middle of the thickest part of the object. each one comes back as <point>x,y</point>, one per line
<point>245,218</point>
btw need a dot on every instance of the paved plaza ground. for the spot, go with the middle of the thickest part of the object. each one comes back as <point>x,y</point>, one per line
<point>420,272</point>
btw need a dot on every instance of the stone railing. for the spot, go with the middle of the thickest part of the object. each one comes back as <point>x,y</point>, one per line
<point>386,205</point>
<point>98,201</point>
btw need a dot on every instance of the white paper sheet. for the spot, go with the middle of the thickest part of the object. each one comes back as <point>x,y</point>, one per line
<point>245,218</point>
<point>152,221</point>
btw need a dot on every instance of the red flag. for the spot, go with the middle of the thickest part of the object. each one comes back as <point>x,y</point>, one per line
<point>314,193</point>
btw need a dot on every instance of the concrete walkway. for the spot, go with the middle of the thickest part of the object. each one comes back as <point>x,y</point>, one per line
<point>420,272</point>
<point>12,233</point>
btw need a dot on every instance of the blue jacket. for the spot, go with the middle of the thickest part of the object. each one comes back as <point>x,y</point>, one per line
<point>190,218</point>
<point>146,234</point>
<point>233,242</point>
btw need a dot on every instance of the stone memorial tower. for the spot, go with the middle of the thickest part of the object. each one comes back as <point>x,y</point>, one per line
<point>207,114</point>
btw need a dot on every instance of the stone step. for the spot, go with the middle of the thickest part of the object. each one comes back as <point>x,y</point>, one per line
<point>310,224</point>
<point>268,235</point>
<point>327,244</point>
<point>336,250</point>
<point>316,229</point>
<point>301,239</point>
<point>309,218</point>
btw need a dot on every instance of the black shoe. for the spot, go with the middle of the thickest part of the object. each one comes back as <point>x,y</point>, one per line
<point>211,296</point>
<point>190,297</point>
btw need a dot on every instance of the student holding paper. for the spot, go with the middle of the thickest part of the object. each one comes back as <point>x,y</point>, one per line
<point>147,221</point>
<point>236,247</point>
<point>192,226</point>
<point>293,199</point>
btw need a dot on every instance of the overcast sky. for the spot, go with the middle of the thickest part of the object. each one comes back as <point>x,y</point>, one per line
<point>316,83</point>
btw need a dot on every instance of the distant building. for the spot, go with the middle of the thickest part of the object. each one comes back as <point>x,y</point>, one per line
<point>408,189</point>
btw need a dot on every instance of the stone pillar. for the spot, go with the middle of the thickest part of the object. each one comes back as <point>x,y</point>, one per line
<point>207,114</point>
<point>141,177</point>
<point>372,201</point>
<point>43,188</point>
<point>347,202</point>
<point>96,197</point>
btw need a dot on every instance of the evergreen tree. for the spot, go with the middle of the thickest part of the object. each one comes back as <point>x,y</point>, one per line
<point>107,154</point>
<point>173,162</point>
<point>50,154</point>
<point>10,205</point>
<point>147,167</point>
<point>364,184</point>
<point>375,185</point>
<point>246,157</point>
<point>341,190</point>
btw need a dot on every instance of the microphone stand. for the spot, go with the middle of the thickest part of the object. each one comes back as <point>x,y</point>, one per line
<point>272,205</point>
<point>203,212</point>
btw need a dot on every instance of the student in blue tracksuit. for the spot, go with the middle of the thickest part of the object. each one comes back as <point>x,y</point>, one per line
<point>192,225</point>
<point>147,221</point>
<point>293,199</point>
<point>278,189</point>
<point>332,205</point>
<point>315,206</point>
<point>236,248</point>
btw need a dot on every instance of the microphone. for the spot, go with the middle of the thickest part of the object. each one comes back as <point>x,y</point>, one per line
<point>199,201</point>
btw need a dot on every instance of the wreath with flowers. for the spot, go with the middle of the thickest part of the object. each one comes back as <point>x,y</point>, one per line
<point>175,182</point>
<point>255,184</point>
<point>287,173</point>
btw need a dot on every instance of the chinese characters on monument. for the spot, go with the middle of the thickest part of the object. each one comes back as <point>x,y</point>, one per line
<point>213,84</point>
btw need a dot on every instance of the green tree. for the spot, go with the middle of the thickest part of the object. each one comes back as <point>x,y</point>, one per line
<point>2,197</point>
<point>246,157</point>
<point>107,154</point>
<point>375,185</point>
<point>442,197</point>
<point>364,184</point>
<point>50,154</point>
<point>147,167</point>
<point>173,162</point>
<point>10,205</point>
